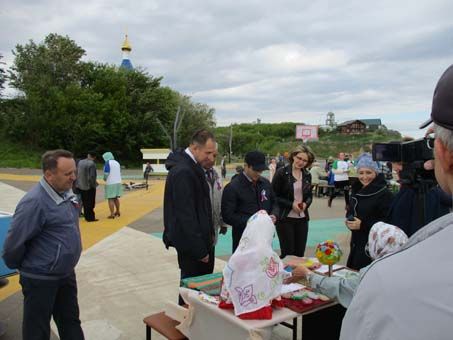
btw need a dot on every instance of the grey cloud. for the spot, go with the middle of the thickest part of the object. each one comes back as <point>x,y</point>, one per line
<point>275,60</point>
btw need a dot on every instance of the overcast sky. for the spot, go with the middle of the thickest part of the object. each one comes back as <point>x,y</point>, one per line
<point>273,60</point>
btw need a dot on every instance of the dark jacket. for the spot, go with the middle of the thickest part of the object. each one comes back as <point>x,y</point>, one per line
<point>43,240</point>
<point>283,186</point>
<point>187,207</point>
<point>406,210</point>
<point>370,204</point>
<point>241,199</point>
<point>86,174</point>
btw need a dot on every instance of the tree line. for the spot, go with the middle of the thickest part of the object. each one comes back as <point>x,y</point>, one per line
<point>63,101</point>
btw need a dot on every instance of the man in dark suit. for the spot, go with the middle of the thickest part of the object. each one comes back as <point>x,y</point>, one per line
<point>246,194</point>
<point>188,225</point>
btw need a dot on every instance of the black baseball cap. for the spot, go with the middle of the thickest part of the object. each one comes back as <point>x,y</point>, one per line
<point>442,108</point>
<point>256,160</point>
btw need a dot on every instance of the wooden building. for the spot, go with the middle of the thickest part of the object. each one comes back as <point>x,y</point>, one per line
<point>372,124</point>
<point>352,127</point>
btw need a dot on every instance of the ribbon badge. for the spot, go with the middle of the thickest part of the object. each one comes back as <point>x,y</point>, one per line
<point>219,184</point>
<point>75,202</point>
<point>263,195</point>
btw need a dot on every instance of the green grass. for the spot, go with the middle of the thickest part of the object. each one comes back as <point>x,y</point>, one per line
<point>330,144</point>
<point>14,155</point>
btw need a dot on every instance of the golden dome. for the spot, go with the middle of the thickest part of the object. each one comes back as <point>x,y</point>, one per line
<point>126,45</point>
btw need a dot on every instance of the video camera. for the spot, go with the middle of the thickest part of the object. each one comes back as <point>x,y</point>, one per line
<point>405,152</point>
<point>412,155</point>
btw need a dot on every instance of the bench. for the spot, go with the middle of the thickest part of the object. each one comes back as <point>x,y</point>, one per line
<point>133,185</point>
<point>164,325</point>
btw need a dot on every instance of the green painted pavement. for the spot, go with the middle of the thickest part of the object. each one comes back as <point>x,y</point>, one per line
<point>318,231</point>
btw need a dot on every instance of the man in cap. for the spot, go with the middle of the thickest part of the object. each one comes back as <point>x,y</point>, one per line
<point>246,194</point>
<point>407,295</point>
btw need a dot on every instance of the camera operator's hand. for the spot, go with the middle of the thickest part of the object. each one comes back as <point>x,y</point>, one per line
<point>429,165</point>
<point>353,225</point>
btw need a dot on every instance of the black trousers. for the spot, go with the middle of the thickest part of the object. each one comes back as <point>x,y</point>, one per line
<point>236,235</point>
<point>190,267</point>
<point>46,298</point>
<point>89,201</point>
<point>341,185</point>
<point>292,233</point>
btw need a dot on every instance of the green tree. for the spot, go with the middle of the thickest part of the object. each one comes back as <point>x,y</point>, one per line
<point>67,103</point>
<point>48,75</point>
<point>2,74</point>
<point>56,62</point>
<point>196,116</point>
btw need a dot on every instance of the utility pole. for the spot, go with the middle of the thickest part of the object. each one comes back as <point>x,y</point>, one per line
<point>176,126</point>
<point>173,139</point>
<point>230,143</point>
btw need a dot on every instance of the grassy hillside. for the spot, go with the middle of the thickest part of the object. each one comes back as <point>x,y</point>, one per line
<point>278,138</point>
<point>332,143</point>
<point>18,156</point>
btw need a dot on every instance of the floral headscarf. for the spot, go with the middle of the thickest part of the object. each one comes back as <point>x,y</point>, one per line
<point>254,274</point>
<point>385,239</point>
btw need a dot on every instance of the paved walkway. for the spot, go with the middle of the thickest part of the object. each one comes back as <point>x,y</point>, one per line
<point>124,273</point>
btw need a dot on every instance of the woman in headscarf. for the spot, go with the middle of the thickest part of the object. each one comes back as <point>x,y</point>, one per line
<point>369,203</point>
<point>254,274</point>
<point>384,239</point>
<point>113,186</point>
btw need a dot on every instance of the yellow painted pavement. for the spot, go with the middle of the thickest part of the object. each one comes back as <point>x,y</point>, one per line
<point>134,205</point>
<point>20,178</point>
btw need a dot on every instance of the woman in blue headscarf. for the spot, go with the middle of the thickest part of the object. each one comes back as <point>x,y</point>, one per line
<point>369,203</point>
<point>113,185</point>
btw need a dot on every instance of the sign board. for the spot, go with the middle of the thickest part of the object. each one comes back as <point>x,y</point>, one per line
<point>157,158</point>
<point>307,132</point>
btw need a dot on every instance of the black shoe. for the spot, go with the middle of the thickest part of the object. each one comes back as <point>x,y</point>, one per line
<point>95,220</point>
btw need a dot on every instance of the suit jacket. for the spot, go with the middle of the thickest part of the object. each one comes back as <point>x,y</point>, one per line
<point>188,225</point>
<point>241,199</point>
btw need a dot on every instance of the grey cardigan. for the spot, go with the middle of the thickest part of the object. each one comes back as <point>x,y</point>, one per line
<point>407,294</point>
